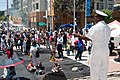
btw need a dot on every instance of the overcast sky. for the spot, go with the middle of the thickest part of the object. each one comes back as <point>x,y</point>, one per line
<point>3,5</point>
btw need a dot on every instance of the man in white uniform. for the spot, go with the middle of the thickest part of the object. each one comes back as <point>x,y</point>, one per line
<point>99,34</point>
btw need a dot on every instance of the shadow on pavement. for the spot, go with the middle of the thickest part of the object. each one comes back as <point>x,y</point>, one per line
<point>55,76</point>
<point>23,78</point>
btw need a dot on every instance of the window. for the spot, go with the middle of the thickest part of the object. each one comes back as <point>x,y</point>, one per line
<point>33,0</point>
<point>97,5</point>
<point>101,0</point>
<point>101,5</point>
<point>110,6</point>
<point>37,6</point>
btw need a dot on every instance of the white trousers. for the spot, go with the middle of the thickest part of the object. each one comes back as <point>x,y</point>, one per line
<point>99,65</point>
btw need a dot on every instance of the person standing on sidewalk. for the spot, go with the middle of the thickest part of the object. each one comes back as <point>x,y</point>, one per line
<point>9,48</point>
<point>99,34</point>
<point>60,45</point>
<point>80,46</point>
<point>47,42</point>
<point>33,50</point>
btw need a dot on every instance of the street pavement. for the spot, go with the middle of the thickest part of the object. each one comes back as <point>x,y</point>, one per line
<point>21,70</point>
<point>67,65</point>
<point>83,72</point>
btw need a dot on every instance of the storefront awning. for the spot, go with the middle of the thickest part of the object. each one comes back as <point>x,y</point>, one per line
<point>41,24</point>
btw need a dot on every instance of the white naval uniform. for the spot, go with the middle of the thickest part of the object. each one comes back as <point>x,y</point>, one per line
<point>99,61</point>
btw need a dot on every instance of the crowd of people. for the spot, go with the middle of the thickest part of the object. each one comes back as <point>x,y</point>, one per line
<point>29,41</point>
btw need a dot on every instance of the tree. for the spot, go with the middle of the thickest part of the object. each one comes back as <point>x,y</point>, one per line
<point>24,17</point>
<point>109,17</point>
<point>2,18</point>
<point>2,13</point>
<point>67,6</point>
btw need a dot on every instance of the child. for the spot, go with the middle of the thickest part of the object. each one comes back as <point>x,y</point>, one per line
<point>31,67</point>
<point>56,68</point>
<point>68,48</point>
<point>53,52</point>
<point>52,57</point>
<point>40,68</point>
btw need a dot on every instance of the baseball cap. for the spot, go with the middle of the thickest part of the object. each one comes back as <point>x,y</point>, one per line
<point>101,13</point>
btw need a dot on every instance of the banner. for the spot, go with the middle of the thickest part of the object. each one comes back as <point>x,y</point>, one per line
<point>88,13</point>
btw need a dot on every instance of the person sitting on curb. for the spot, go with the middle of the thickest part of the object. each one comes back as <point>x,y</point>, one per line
<point>52,57</point>
<point>31,67</point>
<point>56,68</point>
<point>11,73</point>
<point>40,69</point>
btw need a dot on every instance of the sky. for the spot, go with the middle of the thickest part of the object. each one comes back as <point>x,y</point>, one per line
<point>3,4</point>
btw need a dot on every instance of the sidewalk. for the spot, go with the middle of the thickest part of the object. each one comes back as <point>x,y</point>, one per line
<point>114,67</point>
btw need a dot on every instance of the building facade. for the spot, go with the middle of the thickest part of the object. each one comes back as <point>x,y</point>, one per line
<point>103,4</point>
<point>43,11</point>
<point>37,12</point>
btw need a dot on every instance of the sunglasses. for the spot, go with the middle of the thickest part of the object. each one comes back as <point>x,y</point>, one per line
<point>95,16</point>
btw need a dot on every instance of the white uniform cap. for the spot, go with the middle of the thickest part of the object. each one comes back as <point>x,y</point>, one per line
<point>101,13</point>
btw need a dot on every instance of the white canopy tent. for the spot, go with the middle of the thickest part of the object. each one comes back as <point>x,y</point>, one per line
<point>116,34</point>
<point>114,25</point>
<point>13,24</point>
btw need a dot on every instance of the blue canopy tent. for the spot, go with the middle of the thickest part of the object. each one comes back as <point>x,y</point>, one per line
<point>88,26</point>
<point>67,25</point>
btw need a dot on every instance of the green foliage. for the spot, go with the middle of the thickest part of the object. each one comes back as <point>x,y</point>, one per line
<point>1,13</point>
<point>67,6</point>
<point>24,17</point>
<point>109,17</point>
<point>2,18</point>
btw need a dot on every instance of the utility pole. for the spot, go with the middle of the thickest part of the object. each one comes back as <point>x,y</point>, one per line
<point>7,20</point>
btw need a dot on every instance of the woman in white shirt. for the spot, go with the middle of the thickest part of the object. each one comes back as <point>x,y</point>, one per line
<point>33,50</point>
<point>59,45</point>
